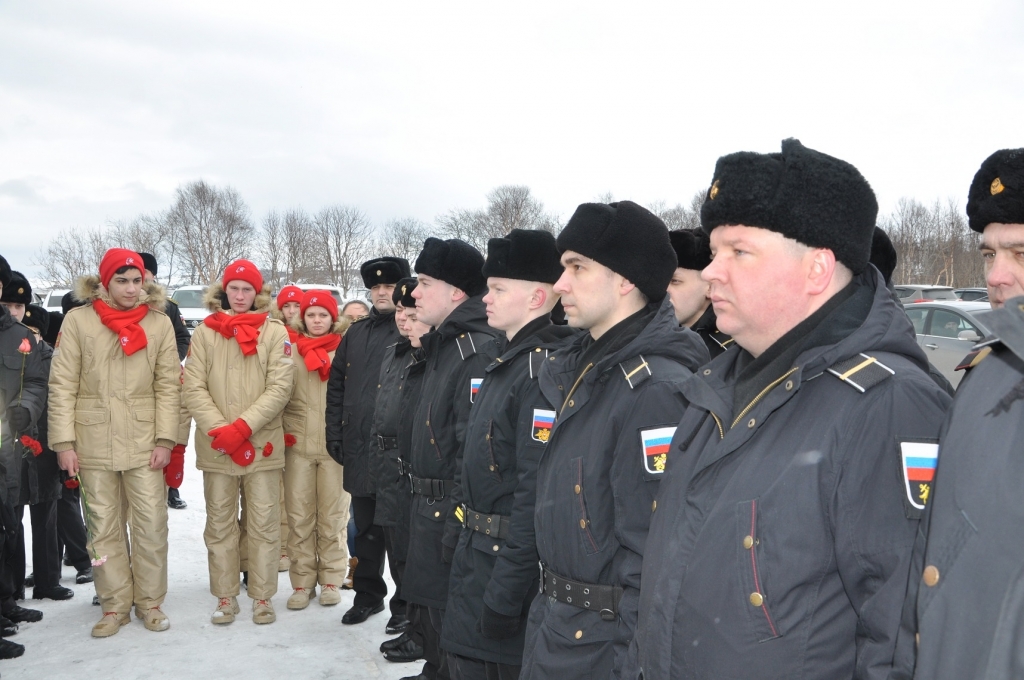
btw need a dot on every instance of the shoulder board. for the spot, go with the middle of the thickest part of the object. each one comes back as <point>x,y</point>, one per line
<point>537,357</point>
<point>861,372</point>
<point>635,370</point>
<point>466,345</point>
<point>973,358</point>
<point>721,339</point>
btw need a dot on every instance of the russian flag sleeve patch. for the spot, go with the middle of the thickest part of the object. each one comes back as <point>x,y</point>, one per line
<point>654,444</point>
<point>543,421</point>
<point>919,460</point>
<point>474,388</point>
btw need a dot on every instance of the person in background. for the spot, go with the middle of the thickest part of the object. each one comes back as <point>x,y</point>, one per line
<point>355,310</point>
<point>689,293</point>
<point>113,420</point>
<point>316,501</point>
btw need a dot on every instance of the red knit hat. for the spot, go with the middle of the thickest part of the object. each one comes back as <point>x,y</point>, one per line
<point>319,298</point>
<point>289,294</point>
<point>114,259</point>
<point>243,270</point>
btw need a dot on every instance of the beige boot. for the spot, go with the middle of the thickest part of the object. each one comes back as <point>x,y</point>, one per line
<point>347,583</point>
<point>153,619</point>
<point>284,564</point>
<point>110,624</point>
<point>329,595</point>
<point>226,609</point>
<point>263,612</point>
<point>300,598</point>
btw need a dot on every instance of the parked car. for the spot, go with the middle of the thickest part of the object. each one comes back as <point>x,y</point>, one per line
<point>190,302</point>
<point>51,302</point>
<point>921,293</point>
<point>947,331</point>
<point>335,291</point>
<point>971,294</point>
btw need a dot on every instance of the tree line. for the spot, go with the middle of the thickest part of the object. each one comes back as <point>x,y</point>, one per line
<point>206,227</point>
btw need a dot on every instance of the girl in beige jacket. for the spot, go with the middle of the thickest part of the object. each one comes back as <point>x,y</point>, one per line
<point>238,378</point>
<point>317,504</point>
<point>113,420</point>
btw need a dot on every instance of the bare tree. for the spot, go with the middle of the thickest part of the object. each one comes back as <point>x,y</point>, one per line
<point>71,255</point>
<point>300,245</point>
<point>271,245</point>
<point>344,235</point>
<point>402,238</point>
<point>213,227</point>
<point>508,207</point>
<point>933,245</point>
<point>679,216</point>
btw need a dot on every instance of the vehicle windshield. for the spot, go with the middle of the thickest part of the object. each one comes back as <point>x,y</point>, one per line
<point>54,299</point>
<point>188,298</point>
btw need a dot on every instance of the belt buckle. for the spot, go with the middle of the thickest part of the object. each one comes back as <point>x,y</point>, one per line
<point>465,515</point>
<point>380,442</point>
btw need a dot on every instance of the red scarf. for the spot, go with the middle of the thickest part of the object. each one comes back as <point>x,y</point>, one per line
<point>124,324</point>
<point>293,335</point>
<point>244,328</point>
<point>314,352</point>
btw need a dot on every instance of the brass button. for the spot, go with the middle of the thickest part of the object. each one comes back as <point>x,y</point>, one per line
<point>537,350</point>
<point>437,514</point>
<point>463,335</point>
<point>491,468</point>
<point>428,423</point>
<point>551,358</point>
<point>654,506</point>
<point>751,422</point>
<point>347,365</point>
<point>748,542</point>
<point>495,548</point>
<point>917,639</point>
<point>931,575</point>
<point>560,388</point>
<point>583,524</point>
<point>571,403</point>
<point>707,371</point>
<point>431,441</point>
<point>789,385</point>
<point>487,437</point>
<point>378,386</point>
<point>578,489</point>
<point>579,634</point>
<point>756,599</point>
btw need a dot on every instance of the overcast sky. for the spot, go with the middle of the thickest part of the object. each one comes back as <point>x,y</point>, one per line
<point>410,109</point>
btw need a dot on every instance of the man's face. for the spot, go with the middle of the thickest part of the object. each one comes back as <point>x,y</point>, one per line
<point>434,300</point>
<point>588,290</point>
<point>415,328</point>
<point>318,321</point>
<point>380,296</point>
<point>689,295</point>
<point>507,302</point>
<point>756,280</point>
<point>355,310</point>
<point>290,310</point>
<point>148,277</point>
<point>401,320</point>
<point>17,310</point>
<point>1002,249</point>
<point>124,289</point>
<point>241,295</point>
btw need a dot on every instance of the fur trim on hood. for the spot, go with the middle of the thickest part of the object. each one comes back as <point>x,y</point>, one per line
<point>340,326</point>
<point>88,288</point>
<point>216,300</point>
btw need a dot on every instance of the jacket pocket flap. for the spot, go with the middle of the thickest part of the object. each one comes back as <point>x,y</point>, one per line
<point>13,361</point>
<point>145,415</point>
<point>581,626</point>
<point>437,511</point>
<point>90,417</point>
<point>486,544</point>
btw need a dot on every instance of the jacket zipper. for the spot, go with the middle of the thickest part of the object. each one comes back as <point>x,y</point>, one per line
<point>763,392</point>
<point>721,432</point>
<point>575,385</point>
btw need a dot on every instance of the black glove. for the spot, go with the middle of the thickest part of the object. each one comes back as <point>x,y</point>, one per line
<point>447,554</point>
<point>19,418</point>
<point>334,450</point>
<point>498,626</point>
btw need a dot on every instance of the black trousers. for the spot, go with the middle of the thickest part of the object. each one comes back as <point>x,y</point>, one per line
<point>464,668</point>
<point>371,546</point>
<point>71,537</point>
<point>425,628</point>
<point>45,558</point>
<point>8,569</point>
<point>396,565</point>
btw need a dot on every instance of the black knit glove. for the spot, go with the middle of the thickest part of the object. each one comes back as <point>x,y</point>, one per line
<point>447,554</point>
<point>19,418</point>
<point>498,626</point>
<point>334,450</point>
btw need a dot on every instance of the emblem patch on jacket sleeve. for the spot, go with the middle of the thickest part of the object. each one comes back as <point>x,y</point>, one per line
<point>287,348</point>
<point>919,461</point>
<point>474,387</point>
<point>543,421</point>
<point>655,445</point>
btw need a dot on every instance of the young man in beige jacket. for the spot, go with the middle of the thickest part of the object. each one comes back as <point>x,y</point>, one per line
<point>238,378</point>
<point>113,420</point>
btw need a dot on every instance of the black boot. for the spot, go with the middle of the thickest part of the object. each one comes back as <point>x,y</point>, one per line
<point>10,650</point>
<point>55,593</point>
<point>7,627</point>
<point>405,652</point>
<point>84,576</point>
<point>30,580</point>
<point>22,615</point>
<point>174,500</point>
<point>397,624</point>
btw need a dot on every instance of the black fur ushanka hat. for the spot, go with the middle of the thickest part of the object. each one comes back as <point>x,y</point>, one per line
<point>524,254</point>
<point>997,192</point>
<point>693,249</point>
<point>384,270</point>
<point>455,262</point>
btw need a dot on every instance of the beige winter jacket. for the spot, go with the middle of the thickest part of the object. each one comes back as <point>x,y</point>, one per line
<point>304,414</point>
<point>222,384</point>
<point>113,409</point>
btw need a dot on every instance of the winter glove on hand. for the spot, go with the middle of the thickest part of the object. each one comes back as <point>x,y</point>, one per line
<point>19,418</point>
<point>175,470</point>
<point>229,437</point>
<point>334,449</point>
<point>498,626</point>
<point>447,554</point>
<point>244,454</point>
<point>290,440</point>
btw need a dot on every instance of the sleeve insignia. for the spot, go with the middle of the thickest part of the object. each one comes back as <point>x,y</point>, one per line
<point>287,348</point>
<point>474,387</point>
<point>543,421</point>
<point>918,461</point>
<point>655,444</point>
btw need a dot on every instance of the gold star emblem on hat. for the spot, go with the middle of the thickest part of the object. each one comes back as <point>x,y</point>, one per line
<point>714,190</point>
<point>378,272</point>
<point>21,291</point>
<point>996,187</point>
<point>403,289</point>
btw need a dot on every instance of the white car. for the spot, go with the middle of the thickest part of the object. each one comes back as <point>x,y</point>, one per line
<point>335,291</point>
<point>190,302</point>
<point>51,302</point>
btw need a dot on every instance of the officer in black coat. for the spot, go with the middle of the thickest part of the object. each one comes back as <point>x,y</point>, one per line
<point>614,391</point>
<point>780,546</point>
<point>457,352</point>
<point>689,293</point>
<point>969,579</point>
<point>494,570</point>
<point>351,397</point>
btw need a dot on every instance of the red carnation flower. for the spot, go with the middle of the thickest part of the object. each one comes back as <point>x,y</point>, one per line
<point>71,483</point>
<point>290,440</point>
<point>31,444</point>
<point>268,449</point>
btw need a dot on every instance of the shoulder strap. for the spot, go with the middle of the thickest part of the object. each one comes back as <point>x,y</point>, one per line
<point>861,372</point>
<point>537,357</point>
<point>466,345</point>
<point>635,370</point>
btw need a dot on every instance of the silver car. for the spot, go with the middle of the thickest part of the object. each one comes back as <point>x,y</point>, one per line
<point>947,331</point>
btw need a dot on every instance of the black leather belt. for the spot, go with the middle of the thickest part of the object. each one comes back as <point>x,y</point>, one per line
<point>435,489</point>
<point>385,443</point>
<point>595,597</point>
<point>496,526</point>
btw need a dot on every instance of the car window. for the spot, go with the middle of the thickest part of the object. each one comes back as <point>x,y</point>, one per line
<point>54,300</point>
<point>940,294</point>
<point>947,324</point>
<point>917,316</point>
<point>903,292</point>
<point>971,295</point>
<point>188,298</point>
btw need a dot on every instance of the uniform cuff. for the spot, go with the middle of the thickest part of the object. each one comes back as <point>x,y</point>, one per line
<point>63,446</point>
<point>166,443</point>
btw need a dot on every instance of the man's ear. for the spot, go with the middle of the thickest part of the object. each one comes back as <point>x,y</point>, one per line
<point>458,294</point>
<point>821,270</point>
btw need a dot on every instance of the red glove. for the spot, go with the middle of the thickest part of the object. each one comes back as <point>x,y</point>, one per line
<point>290,440</point>
<point>175,470</point>
<point>229,437</point>
<point>244,454</point>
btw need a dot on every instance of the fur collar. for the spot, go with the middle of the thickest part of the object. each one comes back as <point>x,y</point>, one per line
<point>88,288</point>
<point>216,300</point>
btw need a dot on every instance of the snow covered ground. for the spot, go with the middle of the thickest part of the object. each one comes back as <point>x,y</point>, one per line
<point>311,643</point>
